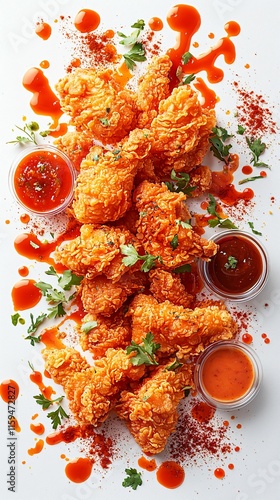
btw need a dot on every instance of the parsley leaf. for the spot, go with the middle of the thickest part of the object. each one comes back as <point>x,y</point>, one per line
<point>174,242</point>
<point>33,340</point>
<point>257,148</point>
<point>231,262</point>
<point>57,415</point>
<point>174,366</point>
<point>132,256</point>
<point>251,225</point>
<point>218,148</point>
<point>180,182</point>
<point>132,479</point>
<point>185,268</point>
<point>144,352</point>
<point>29,130</point>
<point>132,38</point>
<point>16,318</point>
<point>137,51</point>
<point>249,179</point>
<point>217,220</point>
<point>186,57</point>
<point>35,324</point>
<point>240,129</point>
<point>88,326</point>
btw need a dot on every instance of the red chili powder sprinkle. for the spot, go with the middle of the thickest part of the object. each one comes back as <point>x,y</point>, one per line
<point>198,440</point>
<point>254,113</point>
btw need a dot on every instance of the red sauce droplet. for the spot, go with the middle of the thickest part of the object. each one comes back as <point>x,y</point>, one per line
<point>24,218</point>
<point>226,423</point>
<point>9,390</point>
<point>43,180</point>
<point>25,295</point>
<point>43,30</point>
<point>239,426</point>
<point>231,466</point>
<point>86,20</point>
<point>149,465</point>
<point>237,448</point>
<point>247,271</point>
<point>263,173</point>
<point>36,378</point>
<point>170,474</point>
<point>247,338</point>
<point>219,473</point>
<point>79,470</point>
<point>208,95</point>
<point>232,28</point>
<point>44,64</point>
<point>38,429</point>
<point>155,23</point>
<point>37,448</point>
<point>44,101</point>
<point>247,170</point>
<point>23,271</point>
<point>202,412</point>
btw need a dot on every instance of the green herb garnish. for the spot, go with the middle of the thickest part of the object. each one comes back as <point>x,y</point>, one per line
<point>231,262</point>
<point>132,256</point>
<point>144,352</point>
<point>217,220</point>
<point>257,148</point>
<point>133,479</point>
<point>218,148</point>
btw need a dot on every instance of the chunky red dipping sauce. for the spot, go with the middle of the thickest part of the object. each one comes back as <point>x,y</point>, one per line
<point>43,180</point>
<point>237,266</point>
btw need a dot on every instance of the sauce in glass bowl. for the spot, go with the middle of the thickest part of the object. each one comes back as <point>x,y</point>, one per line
<point>239,270</point>
<point>42,180</point>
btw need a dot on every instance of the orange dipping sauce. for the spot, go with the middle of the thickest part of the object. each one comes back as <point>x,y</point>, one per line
<point>228,374</point>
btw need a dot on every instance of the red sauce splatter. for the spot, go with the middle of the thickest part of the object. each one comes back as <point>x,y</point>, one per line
<point>87,20</point>
<point>37,448</point>
<point>202,412</point>
<point>50,338</point>
<point>170,474</point>
<point>37,378</point>
<point>219,473</point>
<point>239,426</point>
<point>44,64</point>
<point>231,466</point>
<point>58,131</point>
<point>247,338</point>
<point>9,390</point>
<point>237,448</point>
<point>38,429</point>
<point>247,170</point>
<point>44,101</point>
<point>23,271</point>
<point>155,23</point>
<point>25,295</point>
<point>149,465</point>
<point>79,470</point>
<point>24,218</point>
<point>208,95</point>
<point>43,30</point>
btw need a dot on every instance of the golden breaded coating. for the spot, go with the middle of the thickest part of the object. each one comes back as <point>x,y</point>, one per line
<point>104,185</point>
<point>75,145</point>
<point>92,392</point>
<point>176,328</point>
<point>168,286</point>
<point>201,178</point>
<point>109,332</point>
<point>98,104</point>
<point>96,251</point>
<point>101,296</point>
<point>151,411</point>
<point>160,228</point>
<point>153,86</point>
<point>62,363</point>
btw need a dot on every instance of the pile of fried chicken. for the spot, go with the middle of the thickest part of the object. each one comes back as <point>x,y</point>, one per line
<point>135,238</point>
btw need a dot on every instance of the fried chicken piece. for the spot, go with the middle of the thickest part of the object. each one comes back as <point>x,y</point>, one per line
<point>97,251</point>
<point>109,332</point>
<point>153,86</point>
<point>168,286</point>
<point>178,329</point>
<point>98,104</point>
<point>62,363</point>
<point>93,391</point>
<point>180,132</point>
<point>151,411</point>
<point>201,178</point>
<point>101,296</point>
<point>75,145</point>
<point>104,185</point>
<point>160,228</point>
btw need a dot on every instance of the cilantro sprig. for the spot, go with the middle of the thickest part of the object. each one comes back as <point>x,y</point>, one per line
<point>257,148</point>
<point>55,416</point>
<point>133,479</point>
<point>144,352</point>
<point>136,53</point>
<point>132,256</point>
<point>217,219</point>
<point>218,147</point>
<point>29,130</point>
<point>231,262</point>
<point>180,182</point>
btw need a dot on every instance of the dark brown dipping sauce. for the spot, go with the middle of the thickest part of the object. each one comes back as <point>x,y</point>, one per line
<point>247,271</point>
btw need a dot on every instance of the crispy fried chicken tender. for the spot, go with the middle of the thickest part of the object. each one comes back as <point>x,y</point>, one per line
<point>168,286</point>
<point>96,251</point>
<point>150,412</point>
<point>178,329</point>
<point>93,391</point>
<point>76,145</point>
<point>98,104</point>
<point>153,86</point>
<point>102,296</point>
<point>160,229</point>
<point>180,131</point>
<point>109,332</point>
<point>104,185</point>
